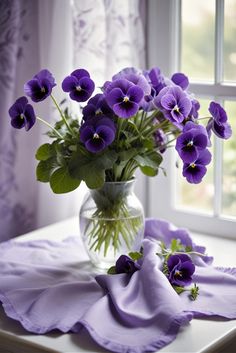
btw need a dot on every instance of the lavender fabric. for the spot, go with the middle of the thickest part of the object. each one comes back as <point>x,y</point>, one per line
<point>49,285</point>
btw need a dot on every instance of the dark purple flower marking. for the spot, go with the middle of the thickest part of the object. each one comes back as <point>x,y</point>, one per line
<point>126,265</point>
<point>218,123</point>
<point>96,106</point>
<point>181,269</point>
<point>40,87</point>
<point>79,84</point>
<point>180,80</point>
<point>195,171</point>
<point>174,103</point>
<point>123,97</point>
<point>191,142</point>
<point>22,114</point>
<point>97,134</point>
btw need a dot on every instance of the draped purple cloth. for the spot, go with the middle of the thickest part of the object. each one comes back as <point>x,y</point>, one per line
<point>48,285</point>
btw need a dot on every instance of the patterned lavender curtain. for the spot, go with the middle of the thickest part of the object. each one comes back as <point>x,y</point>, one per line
<point>103,36</point>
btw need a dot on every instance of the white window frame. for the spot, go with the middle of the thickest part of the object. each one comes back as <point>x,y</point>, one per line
<point>163,50</point>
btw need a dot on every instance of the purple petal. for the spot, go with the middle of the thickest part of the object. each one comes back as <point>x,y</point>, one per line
<point>126,109</point>
<point>222,130</point>
<point>106,133</point>
<point>177,116</point>
<point>95,145</point>
<point>194,175</point>
<point>218,112</point>
<point>86,133</point>
<point>79,96</point>
<point>46,75</point>
<point>87,84</point>
<point>18,107</point>
<point>115,96</point>
<point>204,158</point>
<point>107,122</point>
<point>180,80</point>
<point>69,83</point>
<point>185,106</point>
<point>200,141</point>
<point>79,73</point>
<point>29,116</point>
<point>135,94</point>
<point>168,101</point>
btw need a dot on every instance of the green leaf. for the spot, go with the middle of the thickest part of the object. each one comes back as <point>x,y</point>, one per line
<point>135,255</point>
<point>44,170</point>
<point>127,154</point>
<point>149,163</point>
<point>61,181</point>
<point>91,168</point>
<point>44,152</point>
<point>149,171</point>
<point>194,292</point>
<point>112,270</point>
<point>178,289</point>
<point>176,245</point>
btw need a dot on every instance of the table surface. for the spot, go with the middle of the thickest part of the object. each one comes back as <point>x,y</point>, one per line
<point>200,336</point>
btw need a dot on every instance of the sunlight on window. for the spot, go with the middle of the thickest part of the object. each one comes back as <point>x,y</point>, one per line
<point>198,21</point>
<point>196,197</point>
<point>229,165</point>
<point>229,41</point>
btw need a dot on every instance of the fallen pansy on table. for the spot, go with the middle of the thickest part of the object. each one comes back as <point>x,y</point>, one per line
<point>45,286</point>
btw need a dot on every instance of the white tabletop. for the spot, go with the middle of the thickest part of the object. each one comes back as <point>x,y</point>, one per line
<point>200,336</point>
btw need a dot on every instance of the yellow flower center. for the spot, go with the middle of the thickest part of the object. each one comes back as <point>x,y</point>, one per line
<point>43,90</point>
<point>190,144</point>
<point>78,88</point>
<point>126,99</point>
<point>98,111</point>
<point>193,165</point>
<point>22,116</point>
<point>95,136</point>
<point>178,273</point>
<point>176,109</point>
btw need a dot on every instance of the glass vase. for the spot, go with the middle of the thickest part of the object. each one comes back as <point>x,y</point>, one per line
<point>111,223</point>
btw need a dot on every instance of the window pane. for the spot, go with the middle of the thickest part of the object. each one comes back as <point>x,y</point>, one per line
<point>229,41</point>
<point>200,196</point>
<point>198,21</point>
<point>229,165</point>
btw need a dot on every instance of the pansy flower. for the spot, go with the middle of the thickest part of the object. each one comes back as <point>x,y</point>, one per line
<point>193,139</point>
<point>133,75</point>
<point>96,106</point>
<point>40,87</point>
<point>195,171</point>
<point>218,123</point>
<point>123,97</point>
<point>22,114</point>
<point>156,78</point>
<point>97,134</point>
<point>125,264</point>
<point>174,103</point>
<point>79,84</point>
<point>181,269</point>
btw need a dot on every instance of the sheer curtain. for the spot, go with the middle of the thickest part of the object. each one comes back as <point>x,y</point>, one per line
<point>102,36</point>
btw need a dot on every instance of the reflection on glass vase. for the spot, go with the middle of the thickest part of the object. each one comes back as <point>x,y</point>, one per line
<point>111,222</point>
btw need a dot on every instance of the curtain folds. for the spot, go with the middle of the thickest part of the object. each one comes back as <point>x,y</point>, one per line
<point>102,36</point>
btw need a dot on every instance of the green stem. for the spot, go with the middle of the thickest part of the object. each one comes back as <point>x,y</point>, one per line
<point>62,115</point>
<point>50,126</point>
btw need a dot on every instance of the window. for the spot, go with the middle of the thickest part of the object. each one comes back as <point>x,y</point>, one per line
<point>197,37</point>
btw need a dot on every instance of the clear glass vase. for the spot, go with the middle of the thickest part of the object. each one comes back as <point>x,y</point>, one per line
<point>111,223</point>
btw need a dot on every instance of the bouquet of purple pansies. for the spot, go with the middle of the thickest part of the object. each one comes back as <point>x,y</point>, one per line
<point>129,125</point>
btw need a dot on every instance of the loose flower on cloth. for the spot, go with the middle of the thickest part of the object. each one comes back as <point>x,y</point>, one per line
<point>47,287</point>
<point>130,124</point>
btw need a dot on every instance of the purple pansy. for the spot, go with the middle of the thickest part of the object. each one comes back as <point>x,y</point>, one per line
<point>79,84</point>
<point>96,106</point>
<point>180,80</point>
<point>218,123</point>
<point>97,134</point>
<point>191,142</point>
<point>133,75</point>
<point>195,171</point>
<point>125,264</point>
<point>22,114</point>
<point>40,87</point>
<point>174,103</point>
<point>194,110</point>
<point>160,140</point>
<point>181,269</point>
<point>123,97</point>
<point>156,78</point>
